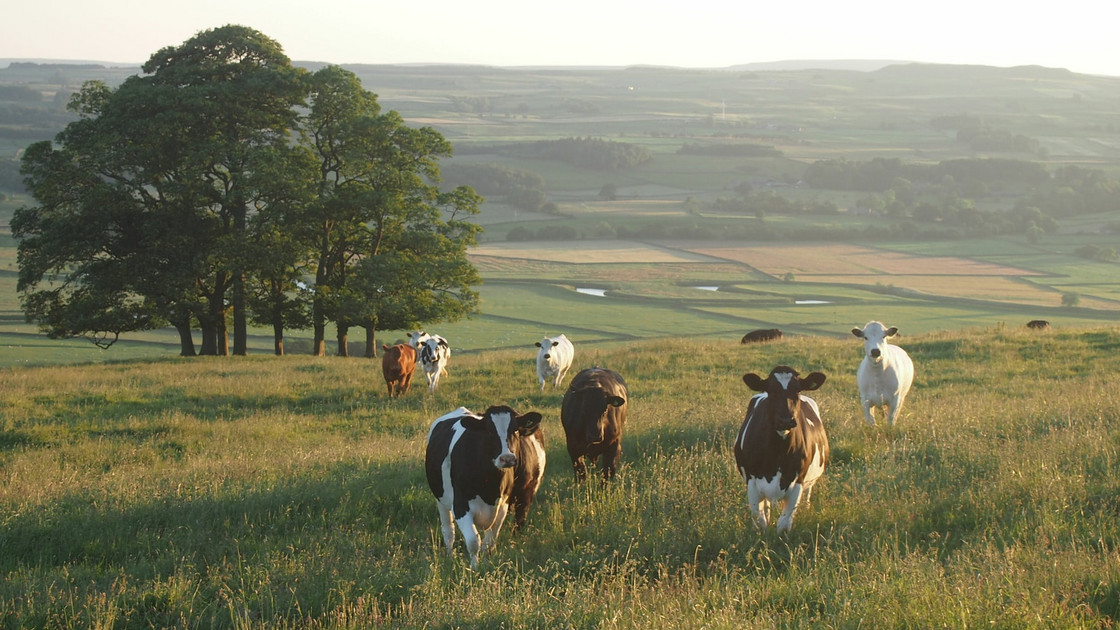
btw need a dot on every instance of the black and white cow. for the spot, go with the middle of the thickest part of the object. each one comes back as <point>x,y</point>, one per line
<point>593,413</point>
<point>782,449</point>
<point>478,466</point>
<point>434,354</point>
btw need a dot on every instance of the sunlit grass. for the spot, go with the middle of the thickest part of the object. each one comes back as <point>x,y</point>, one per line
<point>262,492</point>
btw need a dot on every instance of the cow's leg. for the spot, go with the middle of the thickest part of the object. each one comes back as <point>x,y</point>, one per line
<point>577,464</point>
<point>760,505</point>
<point>892,411</point>
<point>610,461</point>
<point>867,404</point>
<point>793,497</point>
<point>495,528</point>
<point>406,380</point>
<point>470,536</point>
<point>448,527</point>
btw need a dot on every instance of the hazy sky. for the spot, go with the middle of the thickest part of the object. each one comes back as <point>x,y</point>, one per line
<point>1080,35</point>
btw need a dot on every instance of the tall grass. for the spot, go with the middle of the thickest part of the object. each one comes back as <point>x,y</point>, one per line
<point>282,493</point>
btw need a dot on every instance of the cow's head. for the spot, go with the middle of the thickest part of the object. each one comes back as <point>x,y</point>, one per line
<point>875,337</point>
<point>783,389</point>
<point>595,402</point>
<point>417,337</point>
<point>546,345</point>
<point>505,428</point>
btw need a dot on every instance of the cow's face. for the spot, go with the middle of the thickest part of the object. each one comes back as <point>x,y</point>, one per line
<point>783,389</point>
<point>875,337</point>
<point>504,428</point>
<point>417,337</point>
<point>595,403</point>
<point>546,345</point>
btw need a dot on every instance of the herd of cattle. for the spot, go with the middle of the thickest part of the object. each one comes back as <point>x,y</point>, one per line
<point>479,466</point>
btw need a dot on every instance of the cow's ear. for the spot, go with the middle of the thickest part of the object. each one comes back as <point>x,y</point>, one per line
<point>754,382</point>
<point>858,332</point>
<point>616,401</point>
<point>443,342</point>
<point>538,344</point>
<point>892,331</point>
<point>529,423</point>
<point>813,381</point>
<point>474,424</point>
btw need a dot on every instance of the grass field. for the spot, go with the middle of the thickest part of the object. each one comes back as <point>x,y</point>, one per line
<point>262,492</point>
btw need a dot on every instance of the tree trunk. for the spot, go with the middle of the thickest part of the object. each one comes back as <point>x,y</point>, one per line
<point>278,337</point>
<point>240,326</point>
<point>343,334</point>
<point>186,340</point>
<point>371,341</point>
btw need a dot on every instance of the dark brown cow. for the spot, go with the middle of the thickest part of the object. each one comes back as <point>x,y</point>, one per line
<point>397,364</point>
<point>767,334</point>
<point>1038,324</point>
<point>593,413</point>
<point>782,448</point>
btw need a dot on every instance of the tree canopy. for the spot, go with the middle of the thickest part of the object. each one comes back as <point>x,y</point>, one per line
<point>225,185</point>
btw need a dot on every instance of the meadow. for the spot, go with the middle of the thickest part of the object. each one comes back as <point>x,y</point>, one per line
<point>264,492</point>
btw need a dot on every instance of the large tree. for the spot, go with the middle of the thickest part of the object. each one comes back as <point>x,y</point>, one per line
<point>377,206</point>
<point>225,182</point>
<point>171,156</point>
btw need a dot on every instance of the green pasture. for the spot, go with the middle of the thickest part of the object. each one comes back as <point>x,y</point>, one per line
<point>259,492</point>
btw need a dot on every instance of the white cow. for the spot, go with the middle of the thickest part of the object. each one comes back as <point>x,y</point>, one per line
<point>416,338</point>
<point>554,359</point>
<point>885,373</point>
<point>434,354</point>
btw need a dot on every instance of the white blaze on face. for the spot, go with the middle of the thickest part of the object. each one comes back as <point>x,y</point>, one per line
<point>784,378</point>
<point>506,458</point>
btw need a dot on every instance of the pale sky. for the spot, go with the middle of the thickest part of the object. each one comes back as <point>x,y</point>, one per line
<point>1080,35</point>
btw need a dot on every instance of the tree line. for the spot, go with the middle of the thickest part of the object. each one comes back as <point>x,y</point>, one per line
<point>225,187</point>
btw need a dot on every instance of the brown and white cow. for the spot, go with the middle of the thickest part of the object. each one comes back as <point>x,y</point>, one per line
<point>763,334</point>
<point>478,466</point>
<point>782,449</point>
<point>593,413</point>
<point>397,365</point>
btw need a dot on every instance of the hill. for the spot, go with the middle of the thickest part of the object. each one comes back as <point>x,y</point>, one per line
<point>285,493</point>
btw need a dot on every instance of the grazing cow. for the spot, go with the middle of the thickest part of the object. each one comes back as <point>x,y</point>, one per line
<point>397,364</point>
<point>1038,324</point>
<point>593,413</point>
<point>554,359</point>
<point>782,449</point>
<point>766,334</point>
<point>434,354</point>
<point>477,466</point>
<point>885,374</point>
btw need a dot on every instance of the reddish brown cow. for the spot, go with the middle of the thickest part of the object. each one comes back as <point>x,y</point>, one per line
<point>397,364</point>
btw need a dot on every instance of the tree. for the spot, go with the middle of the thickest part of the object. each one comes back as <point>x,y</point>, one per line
<point>145,201</point>
<point>380,224</point>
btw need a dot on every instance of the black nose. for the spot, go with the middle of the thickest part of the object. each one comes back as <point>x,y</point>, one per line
<point>875,353</point>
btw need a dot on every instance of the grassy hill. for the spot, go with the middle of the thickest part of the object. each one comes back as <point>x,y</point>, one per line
<point>261,492</point>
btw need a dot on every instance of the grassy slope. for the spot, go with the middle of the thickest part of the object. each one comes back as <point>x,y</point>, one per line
<point>259,492</point>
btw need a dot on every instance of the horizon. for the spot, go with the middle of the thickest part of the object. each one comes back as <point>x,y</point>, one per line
<point>501,33</point>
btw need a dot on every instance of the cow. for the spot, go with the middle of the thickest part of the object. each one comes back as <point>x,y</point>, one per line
<point>416,338</point>
<point>478,466</point>
<point>593,413</point>
<point>397,365</point>
<point>434,354</point>
<point>554,359</point>
<point>782,448</point>
<point>885,374</point>
<point>763,334</point>
<point>1038,324</point>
